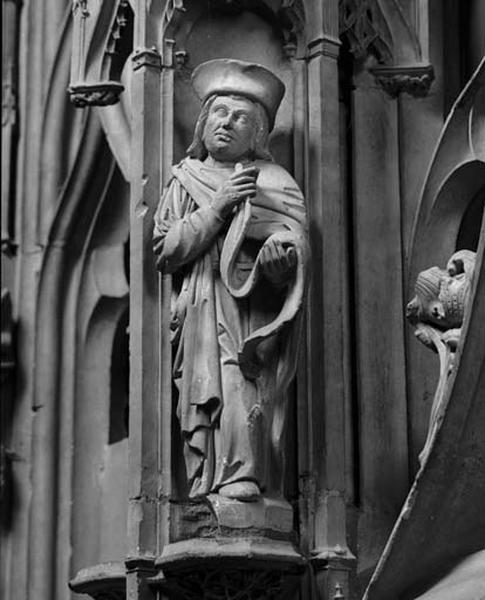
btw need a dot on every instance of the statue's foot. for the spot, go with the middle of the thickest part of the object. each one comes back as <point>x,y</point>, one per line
<point>246,491</point>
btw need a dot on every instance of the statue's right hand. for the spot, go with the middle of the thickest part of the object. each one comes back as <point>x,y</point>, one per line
<point>240,185</point>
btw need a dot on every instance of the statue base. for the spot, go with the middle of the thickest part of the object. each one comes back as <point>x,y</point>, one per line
<point>237,547</point>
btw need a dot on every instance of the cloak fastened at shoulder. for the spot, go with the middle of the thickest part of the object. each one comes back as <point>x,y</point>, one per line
<point>278,212</point>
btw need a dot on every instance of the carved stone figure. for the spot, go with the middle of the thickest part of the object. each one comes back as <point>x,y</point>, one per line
<point>231,229</point>
<point>441,298</point>
<point>437,311</point>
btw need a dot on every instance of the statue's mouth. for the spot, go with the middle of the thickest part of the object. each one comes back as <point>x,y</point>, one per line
<point>223,136</point>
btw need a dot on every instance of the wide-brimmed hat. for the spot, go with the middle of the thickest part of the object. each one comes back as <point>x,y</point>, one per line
<point>228,76</point>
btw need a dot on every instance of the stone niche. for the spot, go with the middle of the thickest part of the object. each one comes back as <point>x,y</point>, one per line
<point>220,547</point>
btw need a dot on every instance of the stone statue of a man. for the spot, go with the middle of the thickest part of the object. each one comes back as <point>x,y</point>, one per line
<point>231,229</point>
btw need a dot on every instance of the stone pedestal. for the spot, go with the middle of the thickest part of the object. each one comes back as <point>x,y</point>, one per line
<point>105,581</point>
<point>226,547</point>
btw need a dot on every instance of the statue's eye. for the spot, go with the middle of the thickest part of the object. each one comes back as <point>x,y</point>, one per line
<point>220,111</point>
<point>242,118</point>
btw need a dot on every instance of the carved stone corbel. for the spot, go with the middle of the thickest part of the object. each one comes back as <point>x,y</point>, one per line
<point>96,49</point>
<point>414,80</point>
<point>437,311</point>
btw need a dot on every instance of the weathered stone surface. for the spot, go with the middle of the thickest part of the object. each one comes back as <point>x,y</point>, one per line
<point>217,516</point>
<point>267,513</point>
<point>271,552</point>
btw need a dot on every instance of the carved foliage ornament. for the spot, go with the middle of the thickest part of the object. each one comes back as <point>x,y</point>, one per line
<point>358,26</point>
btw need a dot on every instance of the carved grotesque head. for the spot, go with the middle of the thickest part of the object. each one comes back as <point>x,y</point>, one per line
<point>441,296</point>
<point>455,289</point>
<point>426,305</point>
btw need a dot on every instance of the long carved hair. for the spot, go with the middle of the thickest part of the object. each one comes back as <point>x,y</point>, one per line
<point>260,148</point>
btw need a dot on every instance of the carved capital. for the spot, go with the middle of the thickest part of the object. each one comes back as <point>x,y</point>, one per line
<point>324,46</point>
<point>146,57</point>
<point>414,80</point>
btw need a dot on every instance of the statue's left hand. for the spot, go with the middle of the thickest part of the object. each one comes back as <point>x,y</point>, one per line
<point>277,261</point>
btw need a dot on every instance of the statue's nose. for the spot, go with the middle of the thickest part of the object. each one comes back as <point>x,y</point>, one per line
<point>227,122</point>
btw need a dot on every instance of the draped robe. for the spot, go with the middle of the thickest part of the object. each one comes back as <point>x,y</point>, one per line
<point>234,334</point>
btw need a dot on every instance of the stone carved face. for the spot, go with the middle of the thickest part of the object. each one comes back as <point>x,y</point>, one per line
<point>441,296</point>
<point>231,128</point>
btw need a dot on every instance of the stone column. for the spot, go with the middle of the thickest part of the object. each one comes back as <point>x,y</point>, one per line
<point>328,328</point>
<point>144,305</point>
<point>380,315</point>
